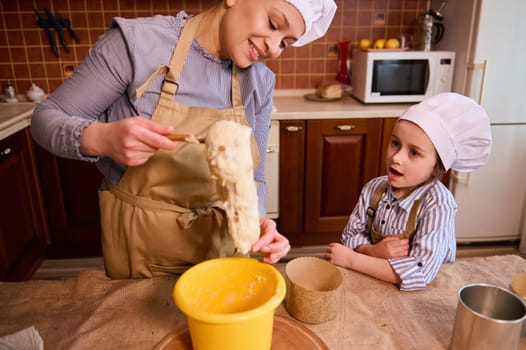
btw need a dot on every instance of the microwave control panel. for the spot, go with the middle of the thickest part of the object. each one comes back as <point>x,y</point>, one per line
<point>445,68</point>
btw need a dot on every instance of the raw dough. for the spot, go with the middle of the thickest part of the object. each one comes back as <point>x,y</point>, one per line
<point>228,146</point>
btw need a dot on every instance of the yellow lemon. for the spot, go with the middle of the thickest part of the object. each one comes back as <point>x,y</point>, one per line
<point>364,43</point>
<point>392,43</point>
<point>379,44</point>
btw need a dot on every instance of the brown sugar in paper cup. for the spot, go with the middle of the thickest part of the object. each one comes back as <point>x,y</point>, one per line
<point>313,285</point>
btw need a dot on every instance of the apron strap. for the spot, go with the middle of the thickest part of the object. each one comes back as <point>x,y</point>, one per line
<point>173,71</point>
<point>371,211</point>
<point>236,90</point>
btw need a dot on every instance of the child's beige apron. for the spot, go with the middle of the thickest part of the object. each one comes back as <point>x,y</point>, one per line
<point>410,228</point>
<point>164,215</point>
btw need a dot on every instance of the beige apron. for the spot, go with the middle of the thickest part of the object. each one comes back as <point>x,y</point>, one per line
<point>410,228</point>
<point>165,215</point>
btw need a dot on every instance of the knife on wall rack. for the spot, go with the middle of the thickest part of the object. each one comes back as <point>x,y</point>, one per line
<point>51,20</point>
<point>66,23</point>
<point>42,23</point>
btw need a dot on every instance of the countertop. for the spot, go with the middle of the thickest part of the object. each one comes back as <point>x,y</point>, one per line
<point>91,311</point>
<point>288,105</point>
<point>291,105</point>
<point>15,117</point>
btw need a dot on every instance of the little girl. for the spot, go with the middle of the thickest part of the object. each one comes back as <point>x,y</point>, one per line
<point>403,226</point>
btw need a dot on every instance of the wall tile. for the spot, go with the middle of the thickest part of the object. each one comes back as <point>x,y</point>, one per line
<point>25,55</point>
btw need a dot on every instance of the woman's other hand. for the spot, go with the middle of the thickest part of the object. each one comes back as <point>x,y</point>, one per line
<point>130,141</point>
<point>271,243</point>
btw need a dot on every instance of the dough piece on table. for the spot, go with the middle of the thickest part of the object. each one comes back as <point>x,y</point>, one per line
<point>229,154</point>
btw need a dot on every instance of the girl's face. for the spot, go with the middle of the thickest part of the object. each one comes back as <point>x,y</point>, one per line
<point>411,158</point>
<point>255,30</point>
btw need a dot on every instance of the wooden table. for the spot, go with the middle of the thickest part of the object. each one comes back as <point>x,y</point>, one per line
<point>94,312</point>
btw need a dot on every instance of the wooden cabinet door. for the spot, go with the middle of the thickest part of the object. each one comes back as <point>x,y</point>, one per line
<point>71,197</point>
<point>291,177</point>
<point>341,156</point>
<point>388,126</point>
<point>23,229</point>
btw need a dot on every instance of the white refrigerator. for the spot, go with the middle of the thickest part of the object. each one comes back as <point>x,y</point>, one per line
<point>489,38</point>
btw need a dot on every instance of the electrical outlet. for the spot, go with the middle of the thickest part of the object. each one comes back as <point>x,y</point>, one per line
<point>332,50</point>
<point>379,18</point>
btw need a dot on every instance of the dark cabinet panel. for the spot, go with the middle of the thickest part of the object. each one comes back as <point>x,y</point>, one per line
<point>23,227</point>
<point>323,167</point>
<point>291,179</point>
<point>342,156</point>
<point>70,192</point>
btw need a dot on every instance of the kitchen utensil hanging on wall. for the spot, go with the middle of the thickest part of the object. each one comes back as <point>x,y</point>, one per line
<point>59,24</point>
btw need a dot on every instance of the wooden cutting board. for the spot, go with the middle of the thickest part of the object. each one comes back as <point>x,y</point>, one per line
<point>287,334</point>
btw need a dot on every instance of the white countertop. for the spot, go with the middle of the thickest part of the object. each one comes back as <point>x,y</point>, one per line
<point>15,117</point>
<point>288,105</point>
<point>291,105</point>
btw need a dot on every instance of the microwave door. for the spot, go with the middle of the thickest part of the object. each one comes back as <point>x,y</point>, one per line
<point>401,78</point>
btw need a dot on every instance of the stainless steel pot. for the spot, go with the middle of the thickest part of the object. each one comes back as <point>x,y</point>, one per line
<point>488,317</point>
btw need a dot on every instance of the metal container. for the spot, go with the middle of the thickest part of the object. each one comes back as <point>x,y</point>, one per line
<point>488,317</point>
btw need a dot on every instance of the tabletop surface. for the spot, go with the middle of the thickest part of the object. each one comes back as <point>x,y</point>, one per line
<point>94,312</point>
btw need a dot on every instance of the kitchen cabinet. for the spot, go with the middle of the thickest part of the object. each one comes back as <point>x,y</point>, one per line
<point>23,226</point>
<point>71,198</point>
<point>323,167</point>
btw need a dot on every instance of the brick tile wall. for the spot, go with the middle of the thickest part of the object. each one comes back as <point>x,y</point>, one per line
<point>25,55</point>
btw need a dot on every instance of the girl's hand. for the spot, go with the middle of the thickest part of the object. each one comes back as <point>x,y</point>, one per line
<point>390,247</point>
<point>130,141</point>
<point>340,255</point>
<point>271,243</point>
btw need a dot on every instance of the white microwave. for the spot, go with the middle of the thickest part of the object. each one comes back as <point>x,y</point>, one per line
<point>400,76</point>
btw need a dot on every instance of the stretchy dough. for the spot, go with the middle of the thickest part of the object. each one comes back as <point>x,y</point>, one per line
<point>230,159</point>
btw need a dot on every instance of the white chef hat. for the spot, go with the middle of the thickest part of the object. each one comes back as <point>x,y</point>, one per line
<point>317,14</point>
<point>458,127</point>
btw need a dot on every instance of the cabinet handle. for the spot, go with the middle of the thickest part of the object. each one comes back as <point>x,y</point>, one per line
<point>345,127</point>
<point>293,128</point>
<point>5,151</point>
<point>272,149</point>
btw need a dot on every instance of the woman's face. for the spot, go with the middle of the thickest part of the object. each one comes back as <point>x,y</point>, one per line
<point>411,158</point>
<point>256,30</point>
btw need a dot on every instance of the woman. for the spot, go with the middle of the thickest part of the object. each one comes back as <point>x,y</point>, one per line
<point>159,209</point>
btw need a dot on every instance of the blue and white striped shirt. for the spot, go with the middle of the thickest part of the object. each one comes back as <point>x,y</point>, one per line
<point>103,88</point>
<point>434,241</point>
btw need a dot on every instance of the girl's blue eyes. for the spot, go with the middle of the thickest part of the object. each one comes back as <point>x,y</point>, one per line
<point>412,152</point>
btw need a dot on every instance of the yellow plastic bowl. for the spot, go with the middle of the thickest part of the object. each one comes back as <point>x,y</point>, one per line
<point>230,303</point>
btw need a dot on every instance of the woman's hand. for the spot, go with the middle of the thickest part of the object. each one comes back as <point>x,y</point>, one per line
<point>130,141</point>
<point>271,243</point>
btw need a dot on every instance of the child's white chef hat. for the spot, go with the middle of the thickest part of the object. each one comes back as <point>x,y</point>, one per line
<point>458,127</point>
<point>318,15</point>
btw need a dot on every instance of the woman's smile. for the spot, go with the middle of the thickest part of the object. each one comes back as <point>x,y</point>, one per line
<point>255,53</point>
